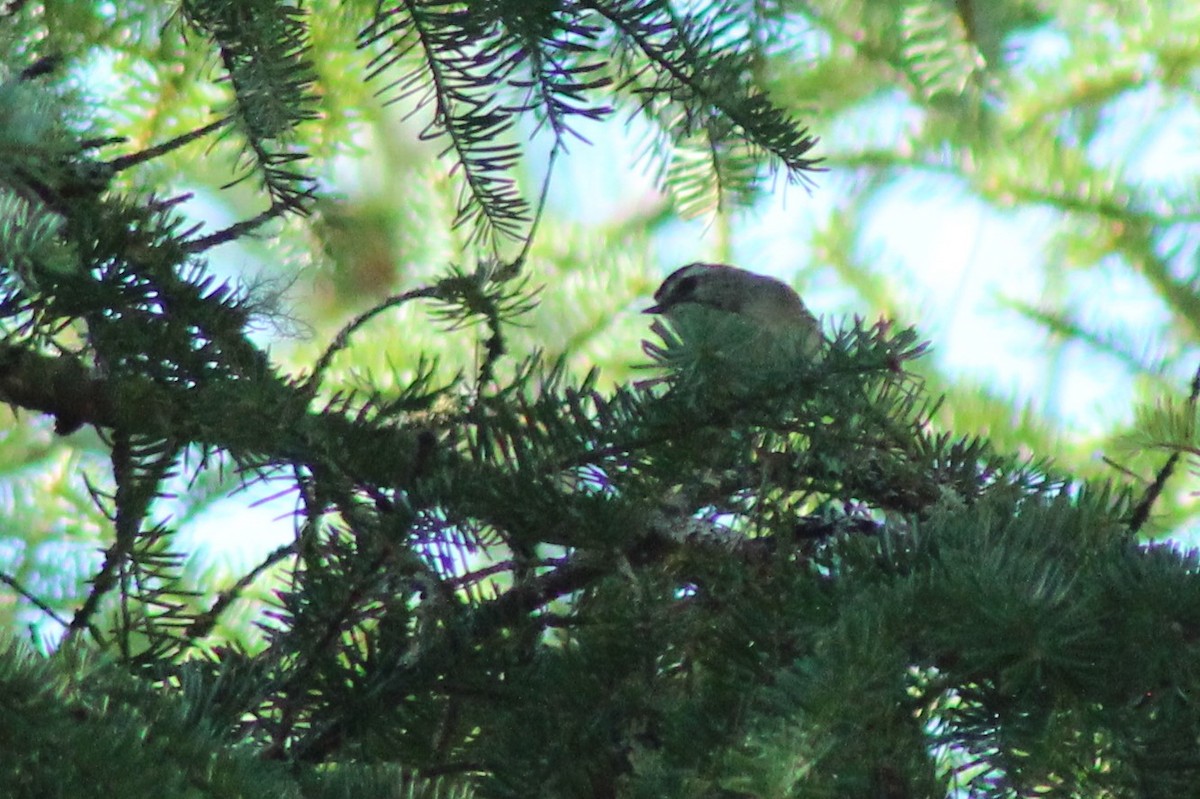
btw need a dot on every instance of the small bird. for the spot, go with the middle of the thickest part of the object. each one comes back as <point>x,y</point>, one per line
<point>734,345</point>
<point>769,305</point>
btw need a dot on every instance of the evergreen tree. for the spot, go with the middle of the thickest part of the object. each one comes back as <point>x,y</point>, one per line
<point>509,575</point>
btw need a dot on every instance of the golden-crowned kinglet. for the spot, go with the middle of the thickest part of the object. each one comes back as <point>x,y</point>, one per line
<point>769,306</point>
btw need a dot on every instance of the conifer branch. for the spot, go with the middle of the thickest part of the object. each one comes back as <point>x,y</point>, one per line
<point>275,424</point>
<point>342,339</point>
<point>234,231</point>
<point>675,49</point>
<point>264,48</point>
<point>1141,511</point>
<point>459,71</point>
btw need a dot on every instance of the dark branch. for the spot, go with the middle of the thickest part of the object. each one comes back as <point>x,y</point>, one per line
<point>1141,513</point>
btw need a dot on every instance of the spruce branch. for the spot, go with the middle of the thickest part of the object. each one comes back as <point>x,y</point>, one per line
<point>136,563</point>
<point>1141,511</point>
<point>235,231</point>
<point>489,293</point>
<point>550,47</point>
<point>705,83</point>
<point>457,72</point>
<point>264,48</point>
<point>275,424</point>
<point>115,557</point>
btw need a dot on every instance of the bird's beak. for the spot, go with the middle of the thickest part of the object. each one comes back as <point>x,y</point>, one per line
<point>654,309</point>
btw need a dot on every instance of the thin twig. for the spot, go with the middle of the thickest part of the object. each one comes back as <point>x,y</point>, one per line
<point>1141,513</point>
<point>204,623</point>
<point>236,230</point>
<point>117,555</point>
<point>494,346</point>
<point>342,339</point>
<point>513,268</point>
<point>15,584</point>
<point>133,159</point>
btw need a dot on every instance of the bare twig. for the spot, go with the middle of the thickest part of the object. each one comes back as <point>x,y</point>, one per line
<point>342,339</point>
<point>133,159</point>
<point>15,584</point>
<point>236,230</point>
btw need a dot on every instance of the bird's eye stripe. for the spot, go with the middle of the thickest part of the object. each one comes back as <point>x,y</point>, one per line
<point>686,287</point>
